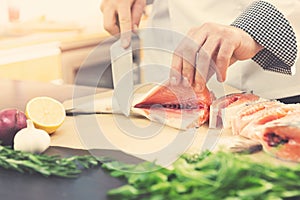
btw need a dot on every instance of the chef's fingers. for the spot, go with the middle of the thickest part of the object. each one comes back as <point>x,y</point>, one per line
<point>110,20</point>
<point>189,52</point>
<point>137,12</point>
<point>202,66</point>
<point>223,60</point>
<point>206,54</point>
<point>183,61</point>
<point>193,43</point>
<point>176,67</point>
<point>125,23</point>
<point>188,71</point>
<point>177,64</point>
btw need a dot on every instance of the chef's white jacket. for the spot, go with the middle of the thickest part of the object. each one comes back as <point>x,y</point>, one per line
<point>178,16</point>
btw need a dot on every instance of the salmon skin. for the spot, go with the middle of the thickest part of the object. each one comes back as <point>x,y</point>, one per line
<point>177,106</point>
<point>223,109</point>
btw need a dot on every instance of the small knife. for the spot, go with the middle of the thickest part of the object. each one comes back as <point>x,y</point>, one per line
<point>122,72</point>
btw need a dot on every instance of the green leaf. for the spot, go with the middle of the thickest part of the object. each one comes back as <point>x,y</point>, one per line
<point>160,187</point>
<point>211,176</point>
<point>44,164</point>
<point>126,191</point>
<point>258,189</point>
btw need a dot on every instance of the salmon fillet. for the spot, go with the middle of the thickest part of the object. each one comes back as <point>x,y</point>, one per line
<point>176,106</point>
<point>255,113</point>
<point>281,137</point>
<point>223,109</point>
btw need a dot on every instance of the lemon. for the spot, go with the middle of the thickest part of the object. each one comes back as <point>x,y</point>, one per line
<point>46,113</point>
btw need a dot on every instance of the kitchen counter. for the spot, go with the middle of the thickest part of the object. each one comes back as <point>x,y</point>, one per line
<point>48,57</point>
<point>15,93</point>
<point>65,37</point>
<point>106,132</point>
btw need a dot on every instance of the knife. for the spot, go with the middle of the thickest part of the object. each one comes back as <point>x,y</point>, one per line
<point>122,73</point>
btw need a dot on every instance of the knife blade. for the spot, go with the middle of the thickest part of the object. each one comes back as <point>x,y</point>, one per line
<point>122,66</point>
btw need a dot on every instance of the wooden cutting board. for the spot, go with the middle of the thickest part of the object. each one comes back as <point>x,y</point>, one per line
<point>82,127</point>
<point>103,131</point>
<point>117,132</point>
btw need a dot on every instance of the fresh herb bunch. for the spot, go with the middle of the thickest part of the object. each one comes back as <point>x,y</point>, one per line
<point>44,164</point>
<point>209,176</point>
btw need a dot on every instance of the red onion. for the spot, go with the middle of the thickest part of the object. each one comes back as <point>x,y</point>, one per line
<point>11,121</point>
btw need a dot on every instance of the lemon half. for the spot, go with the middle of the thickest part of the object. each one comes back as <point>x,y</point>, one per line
<point>46,113</point>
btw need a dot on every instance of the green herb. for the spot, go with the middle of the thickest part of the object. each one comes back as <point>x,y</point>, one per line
<point>208,176</point>
<point>46,165</point>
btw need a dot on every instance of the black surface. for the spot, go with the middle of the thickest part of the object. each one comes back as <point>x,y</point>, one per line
<point>92,184</point>
<point>289,100</point>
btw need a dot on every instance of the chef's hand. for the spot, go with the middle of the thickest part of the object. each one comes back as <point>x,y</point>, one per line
<point>213,48</point>
<point>122,16</point>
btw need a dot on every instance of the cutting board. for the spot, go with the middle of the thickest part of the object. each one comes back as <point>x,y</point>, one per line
<point>105,131</point>
<point>135,135</point>
<point>92,184</point>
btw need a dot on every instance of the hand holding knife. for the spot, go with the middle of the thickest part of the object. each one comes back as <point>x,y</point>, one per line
<point>120,100</point>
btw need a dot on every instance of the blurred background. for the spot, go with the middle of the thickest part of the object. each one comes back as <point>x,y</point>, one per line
<point>49,41</point>
<point>79,12</point>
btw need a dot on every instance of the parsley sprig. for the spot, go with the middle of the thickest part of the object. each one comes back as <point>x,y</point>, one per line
<point>209,176</point>
<point>44,164</point>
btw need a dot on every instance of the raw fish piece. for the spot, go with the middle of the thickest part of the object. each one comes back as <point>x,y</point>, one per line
<point>177,106</point>
<point>253,112</point>
<point>223,109</point>
<point>234,99</point>
<point>281,138</point>
<point>263,117</point>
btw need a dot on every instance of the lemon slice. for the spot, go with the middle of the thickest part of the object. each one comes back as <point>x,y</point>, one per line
<point>46,113</point>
